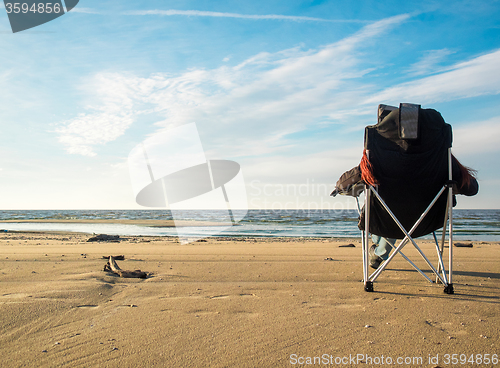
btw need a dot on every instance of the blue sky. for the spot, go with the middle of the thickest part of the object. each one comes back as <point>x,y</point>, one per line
<point>285,88</point>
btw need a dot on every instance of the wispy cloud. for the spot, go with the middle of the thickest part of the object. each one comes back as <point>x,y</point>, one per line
<point>199,13</point>
<point>254,104</point>
<point>476,77</point>
<point>79,9</point>
<point>296,168</point>
<point>478,137</point>
<point>429,63</point>
<point>85,131</point>
<point>105,122</point>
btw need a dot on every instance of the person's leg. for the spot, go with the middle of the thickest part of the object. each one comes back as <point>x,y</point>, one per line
<point>383,248</point>
<point>380,251</point>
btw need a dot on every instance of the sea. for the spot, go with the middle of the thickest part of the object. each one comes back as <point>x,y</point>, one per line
<point>474,225</point>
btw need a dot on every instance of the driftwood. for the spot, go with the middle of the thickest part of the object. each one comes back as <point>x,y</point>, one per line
<point>111,266</point>
<point>116,258</point>
<point>105,237</point>
<point>463,245</point>
<point>350,245</point>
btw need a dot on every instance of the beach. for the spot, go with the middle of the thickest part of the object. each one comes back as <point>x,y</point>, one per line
<point>238,302</point>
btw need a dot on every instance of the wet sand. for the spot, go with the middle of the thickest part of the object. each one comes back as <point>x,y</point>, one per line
<point>149,223</point>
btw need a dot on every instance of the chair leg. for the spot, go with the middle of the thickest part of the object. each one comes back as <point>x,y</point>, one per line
<point>367,282</point>
<point>369,286</point>
<point>448,289</point>
<point>366,240</point>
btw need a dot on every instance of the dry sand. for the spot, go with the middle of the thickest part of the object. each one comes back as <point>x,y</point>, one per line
<point>229,303</point>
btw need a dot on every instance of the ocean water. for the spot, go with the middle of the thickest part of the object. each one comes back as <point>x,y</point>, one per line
<point>482,225</point>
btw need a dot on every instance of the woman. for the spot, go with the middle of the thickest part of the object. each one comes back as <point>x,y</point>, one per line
<point>352,183</point>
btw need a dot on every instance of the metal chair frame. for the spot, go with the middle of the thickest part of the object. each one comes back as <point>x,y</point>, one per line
<point>440,272</point>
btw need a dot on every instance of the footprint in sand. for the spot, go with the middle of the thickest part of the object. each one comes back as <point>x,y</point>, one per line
<point>87,306</point>
<point>227,296</point>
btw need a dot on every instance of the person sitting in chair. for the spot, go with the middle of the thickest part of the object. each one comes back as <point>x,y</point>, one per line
<point>467,185</point>
<point>352,183</point>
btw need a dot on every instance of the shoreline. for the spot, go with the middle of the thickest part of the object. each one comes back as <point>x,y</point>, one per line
<point>235,238</point>
<point>148,223</point>
<point>229,238</point>
<point>468,227</point>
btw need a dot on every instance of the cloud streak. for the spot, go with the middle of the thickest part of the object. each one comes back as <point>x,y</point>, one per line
<point>199,13</point>
<point>79,9</point>
<point>476,77</point>
<point>478,137</point>
<point>103,123</point>
<point>252,109</point>
<point>427,64</point>
<point>257,102</point>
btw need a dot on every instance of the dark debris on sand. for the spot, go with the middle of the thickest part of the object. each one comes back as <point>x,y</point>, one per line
<point>105,238</point>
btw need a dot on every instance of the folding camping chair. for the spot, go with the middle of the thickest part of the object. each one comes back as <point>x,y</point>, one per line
<point>409,151</point>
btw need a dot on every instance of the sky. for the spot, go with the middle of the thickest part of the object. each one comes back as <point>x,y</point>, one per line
<point>284,88</point>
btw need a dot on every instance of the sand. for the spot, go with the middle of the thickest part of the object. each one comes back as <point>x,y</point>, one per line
<point>228,303</point>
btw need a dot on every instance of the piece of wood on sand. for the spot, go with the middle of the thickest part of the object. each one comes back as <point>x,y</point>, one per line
<point>112,266</point>
<point>464,245</point>
<point>116,258</point>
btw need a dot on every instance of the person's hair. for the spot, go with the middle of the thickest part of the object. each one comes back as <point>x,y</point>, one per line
<point>367,170</point>
<point>467,173</point>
